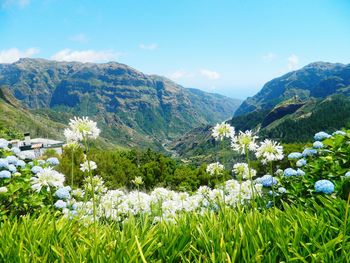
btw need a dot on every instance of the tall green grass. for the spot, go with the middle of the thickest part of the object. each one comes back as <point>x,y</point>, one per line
<point>297,234</point>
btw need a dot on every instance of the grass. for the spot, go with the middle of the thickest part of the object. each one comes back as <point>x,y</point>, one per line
<point>293,235</point>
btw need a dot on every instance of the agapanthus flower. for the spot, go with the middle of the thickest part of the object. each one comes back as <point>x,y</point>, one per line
<point>339,133</point>
<point>78,193</point>
<point>223,130</point>
<point>84,128</point>
<point>53,161</point>
<point>301,162</point>
<point>269,151</point>
<point>290,172</point>
<point>242,171</point>
<point>317,145</point>
<point>3,190</point>
<point>324,186</point>
<point>88,165</point>
<point>5,174</point>
<point>244,141</point>
<point>47,178</point>
<point>320,136</point>
<point>267,180</point>
<point>98,184</point>
<point>3,143</point>
<point>214,169</point>
<point>295,155</point>
<point>309,152</point>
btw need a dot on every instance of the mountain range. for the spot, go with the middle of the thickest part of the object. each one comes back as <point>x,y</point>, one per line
<point>132,108</point>
<point>290,108</point>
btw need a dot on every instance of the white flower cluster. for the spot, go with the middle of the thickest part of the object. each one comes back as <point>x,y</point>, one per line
<point>165,205</point>
<point>242,171</point>
<point>47,177</point>
<point>80,128</point>
<point>223,130</point>
<point>269,151</point>
<point>215,169</point>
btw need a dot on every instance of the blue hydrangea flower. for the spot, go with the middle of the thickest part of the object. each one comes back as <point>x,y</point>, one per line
<point>267,180</point>
<point>301,162</point>
<point>290,172</point>
<point>347,174</point>
<point>269,204</point>
<point>3,163</point>
<point>12,159</point>
<point>21,164</point>
<point>295,155</point>
<point>15,150</point>
<point>36,169</point>
<point>320,136</point>
<point>339,133</point>
<point>309,152</point>
<point>300,172</point>
<point>324,186</point>
<point>3,143</point>
<point>272,193</point>
<point>12,168</point>
<point>5,174</point>
<point>282,190</point>
<point>60,204</point>
<point>317,145</point>
<point>63,192</point>
<point>53,161</point>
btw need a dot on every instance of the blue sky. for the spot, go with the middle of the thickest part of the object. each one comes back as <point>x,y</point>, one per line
<point>230,47</point>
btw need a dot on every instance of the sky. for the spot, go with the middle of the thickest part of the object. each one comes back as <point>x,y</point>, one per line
<point>231,47</point>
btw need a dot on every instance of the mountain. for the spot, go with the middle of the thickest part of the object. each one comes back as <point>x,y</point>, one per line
<point>132,108</point>
<point>289,109</point>
<point>316,80</point>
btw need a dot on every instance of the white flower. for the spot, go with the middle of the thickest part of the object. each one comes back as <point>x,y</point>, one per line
<point>71,136</point>
<point>3,189</point>
<point>47,178</point>
<point>215,169</point>
<point>244,141</point>
<point>269,151</point>
<point>223,130</point>
<point>242,171</point>
<point>88,166</point>
<point>82,127</point>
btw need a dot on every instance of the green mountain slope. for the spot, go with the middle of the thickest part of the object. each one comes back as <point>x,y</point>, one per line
<point>133,109</point>
<point>316,80</point>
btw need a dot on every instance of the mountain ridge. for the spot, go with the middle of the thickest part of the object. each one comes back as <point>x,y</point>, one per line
<point>132,108</point>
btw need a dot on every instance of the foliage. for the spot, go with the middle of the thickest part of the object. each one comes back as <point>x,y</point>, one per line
<point>294,234</point>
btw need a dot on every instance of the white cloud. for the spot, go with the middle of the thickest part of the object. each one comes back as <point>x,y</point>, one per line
<point>86,55</point>
<point>269,57</point>
<point>293,62</point>
<point>212,75</point>
<point>14,54</point>
<point>148,47</point>
<point>19,3</point>
<point>180,74</point>
<point>81,38</point>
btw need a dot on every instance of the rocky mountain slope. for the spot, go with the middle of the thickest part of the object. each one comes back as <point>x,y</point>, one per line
<point>133,109</point>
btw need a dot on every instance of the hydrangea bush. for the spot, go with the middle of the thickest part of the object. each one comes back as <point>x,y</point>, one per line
<point>28,185</point>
